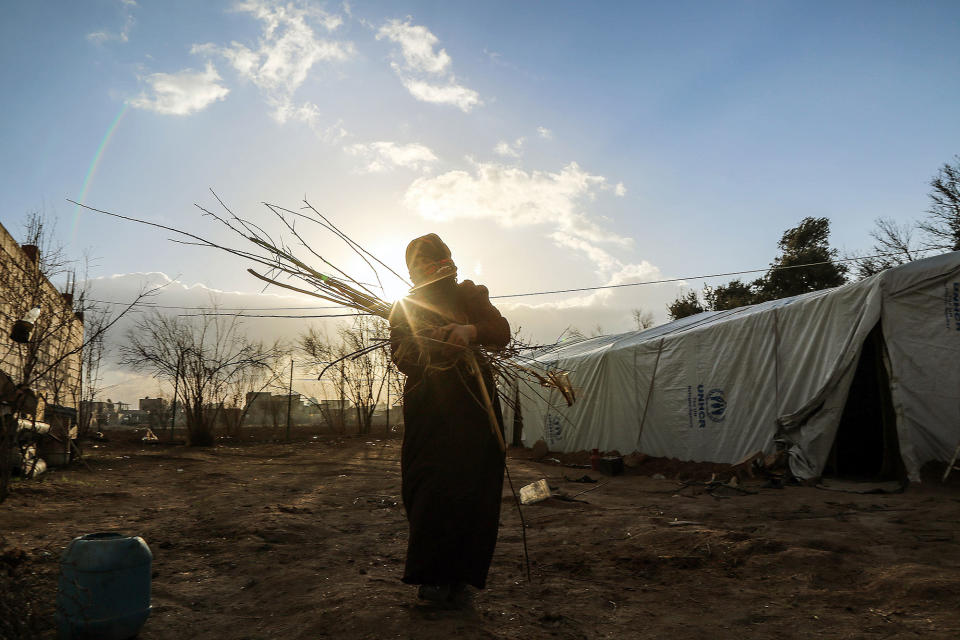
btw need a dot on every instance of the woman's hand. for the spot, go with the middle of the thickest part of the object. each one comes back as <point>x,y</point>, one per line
<point>460,335</point>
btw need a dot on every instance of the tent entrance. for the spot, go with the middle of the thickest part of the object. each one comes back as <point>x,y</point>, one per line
<point>866,445</point>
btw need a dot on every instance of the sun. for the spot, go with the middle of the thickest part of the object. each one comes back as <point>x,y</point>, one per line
<point>393,289</point>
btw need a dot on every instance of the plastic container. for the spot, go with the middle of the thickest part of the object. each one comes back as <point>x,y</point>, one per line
<point>104,587</point>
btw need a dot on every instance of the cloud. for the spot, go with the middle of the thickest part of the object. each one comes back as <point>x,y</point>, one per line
<point>545,133</point>
<point>417,45</point>
<point>619,190</point>
<point>382,156</point>
<point>185,298</point>
<point>104,35</point>
<point>513,197</point>
<point>286,52</point>
<point>604,261</point>
<point>507,150</point>
<point>453,94</point>
<point>181,93</point>
<point>423,70</point>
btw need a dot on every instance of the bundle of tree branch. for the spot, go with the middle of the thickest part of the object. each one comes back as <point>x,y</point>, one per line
<point>282,267</point>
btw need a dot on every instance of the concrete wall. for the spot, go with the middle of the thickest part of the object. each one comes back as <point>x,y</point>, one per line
<point>23,287</point>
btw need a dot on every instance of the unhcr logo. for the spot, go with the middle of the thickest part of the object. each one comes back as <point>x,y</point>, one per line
<point>703,405</point>
<point>951,304</point>
<point>554,428</point>
<point>716,405</point>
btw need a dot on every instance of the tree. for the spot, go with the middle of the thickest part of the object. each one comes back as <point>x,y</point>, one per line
<point>732,295</point>
<point>359,367</point>
<point>894,241</point>
<point>327,359</point>
<point>642,319</point>
<point>207,354</point>
<point>942,226</point>
<point>686,304</point>
<point>65,342</point>
<point>805,244</point>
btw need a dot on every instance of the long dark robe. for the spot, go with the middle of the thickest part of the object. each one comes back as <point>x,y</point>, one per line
<point>452,465</point>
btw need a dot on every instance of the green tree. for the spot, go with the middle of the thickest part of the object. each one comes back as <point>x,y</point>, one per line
<point>732,295</point>
<point>686,304</point>
<point>805,244</point>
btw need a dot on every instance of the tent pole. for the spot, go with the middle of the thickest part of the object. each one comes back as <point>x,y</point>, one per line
<point>653,377</point>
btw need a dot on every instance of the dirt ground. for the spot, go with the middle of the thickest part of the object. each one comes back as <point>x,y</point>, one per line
<point>307,540</point>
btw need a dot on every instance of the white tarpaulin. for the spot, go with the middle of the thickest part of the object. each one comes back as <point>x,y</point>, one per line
<point>721,385</point>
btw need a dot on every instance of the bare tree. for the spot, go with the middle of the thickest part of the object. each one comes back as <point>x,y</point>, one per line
<point>942,226</point>
<point>66,335</point>
<point>358,364</point>
<point>236,408</point>
<point>327,359</point>
<point>207,354</point>
<point>893,245</point>
<point>643,319</point>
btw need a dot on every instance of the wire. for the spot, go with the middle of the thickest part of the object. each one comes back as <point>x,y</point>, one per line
<point>711,275</point>
<point>518,295</point>
<point>249,315</point>
<point>174,306</point>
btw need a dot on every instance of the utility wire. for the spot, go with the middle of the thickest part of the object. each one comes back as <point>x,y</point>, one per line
<point>710,275</point>
<point>186,308</point>
<point>522,295</point>
<point>250,315</point>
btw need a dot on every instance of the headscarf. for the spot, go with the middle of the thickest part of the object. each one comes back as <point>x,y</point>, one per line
<point>428,260</point>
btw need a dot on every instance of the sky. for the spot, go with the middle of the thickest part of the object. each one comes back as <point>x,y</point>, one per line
<point>551,145</point>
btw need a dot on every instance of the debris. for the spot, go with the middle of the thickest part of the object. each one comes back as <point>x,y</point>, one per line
<point>773,483</point>
<point>535,492</point>
<point>682,523</point>
<point>775,461</point>
<point>539,449</point>
<point>860,487</point>
<point>149,436</point>
<point>745,467</point>
<point>658,476</point>
<point>610,465</point>
<point>584,478</point>
<point>603,484</point>
<point>634,459</point>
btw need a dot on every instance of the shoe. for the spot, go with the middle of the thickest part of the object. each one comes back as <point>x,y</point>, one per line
<point>460,596</point>
<point>436,593</point>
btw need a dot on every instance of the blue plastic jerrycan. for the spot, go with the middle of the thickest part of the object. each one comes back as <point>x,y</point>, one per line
<point>104,587</point>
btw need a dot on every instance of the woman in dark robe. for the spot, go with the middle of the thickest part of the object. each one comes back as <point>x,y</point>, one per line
<point>452,462</point>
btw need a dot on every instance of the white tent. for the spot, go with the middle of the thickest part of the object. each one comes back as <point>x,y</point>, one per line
<point>721,385</point>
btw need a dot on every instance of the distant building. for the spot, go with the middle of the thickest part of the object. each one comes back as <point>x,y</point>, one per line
<point>153,405</point>
<point>103,414</point>
<point>266,409</point>
<point>135,416</point>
